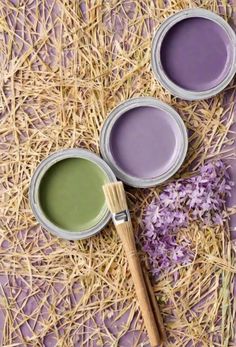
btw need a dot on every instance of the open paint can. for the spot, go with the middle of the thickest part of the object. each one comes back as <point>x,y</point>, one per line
<point>194,54</point>
<point>66,194</point>
<point>144,141</point>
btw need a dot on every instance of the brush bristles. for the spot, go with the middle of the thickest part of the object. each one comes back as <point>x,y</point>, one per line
<point>115,197</point>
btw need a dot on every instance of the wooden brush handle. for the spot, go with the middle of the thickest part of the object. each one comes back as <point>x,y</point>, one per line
<point>125,231</point>
<point>155,307</point>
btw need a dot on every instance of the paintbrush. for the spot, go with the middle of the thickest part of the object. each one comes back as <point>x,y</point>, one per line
<point>155,307</point>
<point>117,204</point>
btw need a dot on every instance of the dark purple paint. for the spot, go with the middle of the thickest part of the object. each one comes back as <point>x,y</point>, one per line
<point>143,142</point>
<point>195,54</point>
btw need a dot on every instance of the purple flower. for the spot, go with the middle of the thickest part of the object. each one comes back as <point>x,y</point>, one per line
<point>217,219</point>
<point>199,198</point>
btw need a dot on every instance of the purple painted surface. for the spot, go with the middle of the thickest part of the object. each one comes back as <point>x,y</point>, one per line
<point>143,142</point>
<point>199,48</point>
<point>42,307</point>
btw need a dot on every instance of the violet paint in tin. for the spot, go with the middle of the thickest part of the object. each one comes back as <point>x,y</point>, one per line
<point>194,54</point>
<point>144,141</point>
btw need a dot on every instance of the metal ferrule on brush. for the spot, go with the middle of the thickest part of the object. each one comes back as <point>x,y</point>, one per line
<point>121,217</point>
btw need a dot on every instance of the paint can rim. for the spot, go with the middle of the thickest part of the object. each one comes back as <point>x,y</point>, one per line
<point>159,71</point>
<point>105,150</point>
<point>40,171</point>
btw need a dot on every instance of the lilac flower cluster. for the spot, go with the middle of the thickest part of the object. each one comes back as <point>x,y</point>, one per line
<point>200,198</point>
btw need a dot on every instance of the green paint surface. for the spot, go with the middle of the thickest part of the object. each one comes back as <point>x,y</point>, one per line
<point>70,194</point>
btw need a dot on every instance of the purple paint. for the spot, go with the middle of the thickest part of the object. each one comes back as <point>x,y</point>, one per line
<point>195,54</point>
<point>143,142</point>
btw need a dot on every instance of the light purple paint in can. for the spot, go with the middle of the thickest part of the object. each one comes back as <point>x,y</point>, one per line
<point>144,141</point>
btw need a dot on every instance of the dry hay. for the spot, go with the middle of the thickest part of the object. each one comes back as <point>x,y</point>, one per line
<point>62,71</point>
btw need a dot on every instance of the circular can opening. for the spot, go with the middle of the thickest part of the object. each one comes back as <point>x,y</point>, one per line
<point>70,194</point>
<point>144,141</point>
<point>195,54</point>
<point>66,194</point>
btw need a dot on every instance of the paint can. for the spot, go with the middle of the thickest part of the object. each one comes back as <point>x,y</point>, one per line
<point>144,141</point>
<point>194,54</point>
<point>55,196</point>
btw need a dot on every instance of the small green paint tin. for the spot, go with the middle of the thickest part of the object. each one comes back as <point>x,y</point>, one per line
<point>66,194</point>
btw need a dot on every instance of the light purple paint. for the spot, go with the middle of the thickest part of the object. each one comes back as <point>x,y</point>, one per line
<point>195,54</point>
<point>143,142</point>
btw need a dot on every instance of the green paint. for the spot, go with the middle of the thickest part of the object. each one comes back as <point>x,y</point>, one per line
<point>71,196</point>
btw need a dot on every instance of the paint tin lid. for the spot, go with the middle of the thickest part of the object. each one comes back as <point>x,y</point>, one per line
<point>144,141</point>
<point>194,54</point>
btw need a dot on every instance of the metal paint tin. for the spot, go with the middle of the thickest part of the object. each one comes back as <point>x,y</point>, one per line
<point>172,24</point>
<point>154,122</point>
<point>40,172</point>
